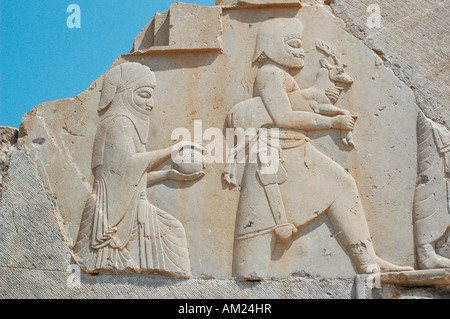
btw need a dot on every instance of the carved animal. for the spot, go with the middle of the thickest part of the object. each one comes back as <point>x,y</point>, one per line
<point>319,98</point>
<point>324,93</point>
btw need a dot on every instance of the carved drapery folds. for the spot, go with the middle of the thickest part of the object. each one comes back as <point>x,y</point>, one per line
<point>432,197</point>
<point>120,229</point>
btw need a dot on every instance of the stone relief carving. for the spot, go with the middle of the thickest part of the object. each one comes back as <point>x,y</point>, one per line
<point>257,2</point>
<point>432,197</point>
<point>320,98</point>
<point>326,195</point>
<point>165,32</point>
<point>120,229</point>
<point>330,81</point>
<point>272,207</point>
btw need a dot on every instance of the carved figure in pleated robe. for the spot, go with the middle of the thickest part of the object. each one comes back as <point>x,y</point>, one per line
<point>120,229</point>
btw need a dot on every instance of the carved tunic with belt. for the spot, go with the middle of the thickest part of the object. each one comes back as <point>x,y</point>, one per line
<point>309,181</point>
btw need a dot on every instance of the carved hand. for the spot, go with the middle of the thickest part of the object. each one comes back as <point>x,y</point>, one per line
<point>175,175</point>
<point>285,232</point>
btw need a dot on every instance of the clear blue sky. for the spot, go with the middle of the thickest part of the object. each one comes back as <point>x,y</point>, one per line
<point>43,60</point>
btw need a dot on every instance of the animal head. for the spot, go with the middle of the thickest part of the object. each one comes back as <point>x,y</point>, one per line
<point>336,72</point>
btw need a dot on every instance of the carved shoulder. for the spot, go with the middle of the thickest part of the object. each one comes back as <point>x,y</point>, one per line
<point>120,132</point>
<point>114,133</point>
<point>117,124</point>
<point>269,78</point>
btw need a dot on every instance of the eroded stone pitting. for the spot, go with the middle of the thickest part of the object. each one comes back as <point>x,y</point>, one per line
<point>8,137</point>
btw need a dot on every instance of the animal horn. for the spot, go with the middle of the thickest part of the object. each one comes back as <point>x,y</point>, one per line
<point>322,46</point>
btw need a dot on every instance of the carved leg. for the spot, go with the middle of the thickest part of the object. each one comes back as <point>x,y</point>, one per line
<point>252,256</point>
<point>348,218</point>
<point>428,259</point>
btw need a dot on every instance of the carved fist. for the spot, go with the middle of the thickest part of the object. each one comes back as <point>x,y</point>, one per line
<point>285,232</point>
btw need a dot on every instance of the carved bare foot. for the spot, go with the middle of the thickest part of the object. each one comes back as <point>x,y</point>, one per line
<point>428,259</point>
<point>381,265</point>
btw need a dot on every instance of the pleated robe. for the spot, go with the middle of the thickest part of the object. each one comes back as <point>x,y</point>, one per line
<point>120,229</point>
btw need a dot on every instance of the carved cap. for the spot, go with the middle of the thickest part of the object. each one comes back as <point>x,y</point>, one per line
<point>130,75</point>
<point>271,38</point>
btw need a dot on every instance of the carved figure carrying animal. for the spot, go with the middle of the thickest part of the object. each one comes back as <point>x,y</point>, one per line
<point>320,99</point>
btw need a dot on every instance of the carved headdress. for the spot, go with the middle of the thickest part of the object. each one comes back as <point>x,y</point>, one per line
<point>117,94</point>
<point>272,41</point>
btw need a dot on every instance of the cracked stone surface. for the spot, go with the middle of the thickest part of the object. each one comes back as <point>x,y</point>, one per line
<point>413,41</point>
<point>8,137</point>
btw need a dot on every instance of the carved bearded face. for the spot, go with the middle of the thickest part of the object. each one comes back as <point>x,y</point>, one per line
<point>132,84</point>
<point>143,98</point>
<point>295,53</point>
<point>128,91</point>
<point>280,40</point>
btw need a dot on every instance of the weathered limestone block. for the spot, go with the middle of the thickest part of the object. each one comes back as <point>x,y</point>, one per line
<point>418,278</point>
<point>8,137</point>
<point>253,3</point>
<point>396,292</point>
<point>412,41</point>
<point>167,31</point>
<point>346,178</point>
<point>34,260</point>
<point>245,3</point>
<point>30,238</point>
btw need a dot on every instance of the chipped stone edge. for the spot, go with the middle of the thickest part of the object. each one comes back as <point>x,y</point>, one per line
<point>5,166</point>
<point>397,71</point>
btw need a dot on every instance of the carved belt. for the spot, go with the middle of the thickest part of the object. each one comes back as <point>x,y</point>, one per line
<point>286,139</point>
